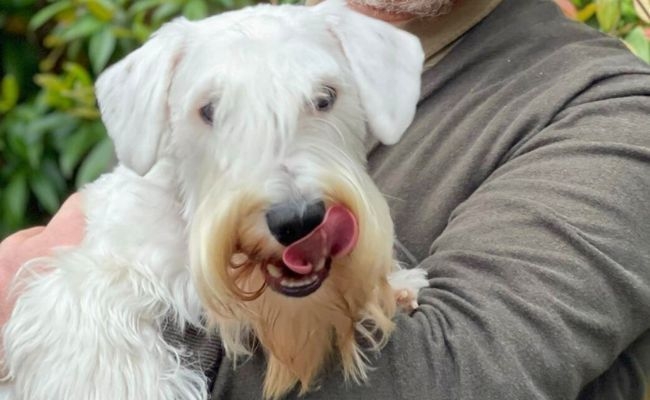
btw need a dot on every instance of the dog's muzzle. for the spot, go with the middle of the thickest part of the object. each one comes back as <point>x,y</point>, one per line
<point>312,236</point>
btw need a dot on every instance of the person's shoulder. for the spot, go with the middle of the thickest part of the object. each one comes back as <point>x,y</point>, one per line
<point>529,46</point>
<point>532,32</point>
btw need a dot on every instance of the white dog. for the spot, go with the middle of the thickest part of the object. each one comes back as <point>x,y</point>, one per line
<point>241,199</point>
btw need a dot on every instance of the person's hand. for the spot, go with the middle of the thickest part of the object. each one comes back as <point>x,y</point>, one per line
<point>65,229</point>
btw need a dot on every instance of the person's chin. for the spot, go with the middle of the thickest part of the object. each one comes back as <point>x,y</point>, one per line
<point>372,12</point>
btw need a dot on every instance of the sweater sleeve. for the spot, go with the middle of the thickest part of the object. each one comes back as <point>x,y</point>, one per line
<point>542,276</point>
<point>541,279</point>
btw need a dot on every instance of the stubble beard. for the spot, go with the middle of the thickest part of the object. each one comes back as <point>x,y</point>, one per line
<point>416,8</point>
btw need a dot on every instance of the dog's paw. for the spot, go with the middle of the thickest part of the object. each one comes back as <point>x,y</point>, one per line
<point>406,300</point>
<point>406,284</point>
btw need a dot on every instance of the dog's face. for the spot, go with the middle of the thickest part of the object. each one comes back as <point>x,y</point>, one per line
<point>264,102</point>
<point>264,112</point>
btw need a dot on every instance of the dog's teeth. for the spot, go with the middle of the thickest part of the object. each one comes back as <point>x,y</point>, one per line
<point>298,283</point>
<point>320,265</point>
<point>274,271</point>
<point>238,258</point>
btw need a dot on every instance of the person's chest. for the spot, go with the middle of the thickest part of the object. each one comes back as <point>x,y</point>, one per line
<point>453,145</point>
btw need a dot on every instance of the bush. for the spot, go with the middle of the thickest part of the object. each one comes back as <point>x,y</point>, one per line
<point>51,138</point>
<point>626,19</point>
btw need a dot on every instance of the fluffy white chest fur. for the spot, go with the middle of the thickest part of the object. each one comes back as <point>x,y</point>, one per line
<point>241,199</point>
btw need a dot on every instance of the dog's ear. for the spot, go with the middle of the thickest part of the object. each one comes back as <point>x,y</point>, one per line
<point>386,64</point>
<point>132,97</point>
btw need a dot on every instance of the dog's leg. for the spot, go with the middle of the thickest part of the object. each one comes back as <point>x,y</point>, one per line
<point>87,327</point>
<point>406,284</point>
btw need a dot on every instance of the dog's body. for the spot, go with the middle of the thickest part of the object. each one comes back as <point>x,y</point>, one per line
<point>221,126</point>
<point>89,325</point>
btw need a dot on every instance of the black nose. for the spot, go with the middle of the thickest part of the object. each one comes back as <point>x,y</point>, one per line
<point>290,222</point>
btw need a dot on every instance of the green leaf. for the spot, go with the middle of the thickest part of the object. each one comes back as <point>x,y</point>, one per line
<point>17,144</point>
<point>102,9</point>
<point>639,43</point>
<point>34,154</point>
<point>47,13</point>
<point>608,13</point>
<point>49,82</point>
<point>9,93</point>
<point>165,12</point>
<point>46,123</point>
<point>627,11</point>
<point>76,146</point>
<point>141,31</point>
<point>36,134</point>
<point>81,28</point>
<point>75,48</point>
<point>100,49</point>
<point>77,72</point>
<point>96,163</point>
<point>195,9</point>
<point>52,173</point>
<point>45,192</point>
<point>144,5</point>
<point>228,4</point>
<point>15,199</point>
<point>35,131</point>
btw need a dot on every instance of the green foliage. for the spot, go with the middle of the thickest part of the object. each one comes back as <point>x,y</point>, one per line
<point>51,139</point>
<point>626,19</point>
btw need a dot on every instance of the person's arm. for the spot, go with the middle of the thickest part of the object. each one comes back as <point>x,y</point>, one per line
<point>542,276</point>
<point>65,229</point>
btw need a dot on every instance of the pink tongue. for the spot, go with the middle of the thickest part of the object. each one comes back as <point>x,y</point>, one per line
<point>335,236</point>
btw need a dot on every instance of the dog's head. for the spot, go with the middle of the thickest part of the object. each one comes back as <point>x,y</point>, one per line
<point>264,111</point>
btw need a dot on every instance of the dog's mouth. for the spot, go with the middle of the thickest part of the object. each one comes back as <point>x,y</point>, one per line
<point>283,280</point>
<point>306,263</point>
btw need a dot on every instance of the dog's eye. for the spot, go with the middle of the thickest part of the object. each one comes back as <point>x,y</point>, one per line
<point>325,99</point>
<point>207,113</point>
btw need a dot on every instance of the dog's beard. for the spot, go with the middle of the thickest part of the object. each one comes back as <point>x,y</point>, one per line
<point>299,334</point>
<point>417,8</point>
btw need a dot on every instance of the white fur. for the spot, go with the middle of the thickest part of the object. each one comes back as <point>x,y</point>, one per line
<point>409,279</point>
<point>87,323</point>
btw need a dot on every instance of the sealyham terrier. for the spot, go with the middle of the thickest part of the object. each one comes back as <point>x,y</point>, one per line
<point>241,203</point>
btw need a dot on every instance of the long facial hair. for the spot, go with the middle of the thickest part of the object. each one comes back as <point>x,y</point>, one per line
<point>417,8</point>
<point>300,335</point>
